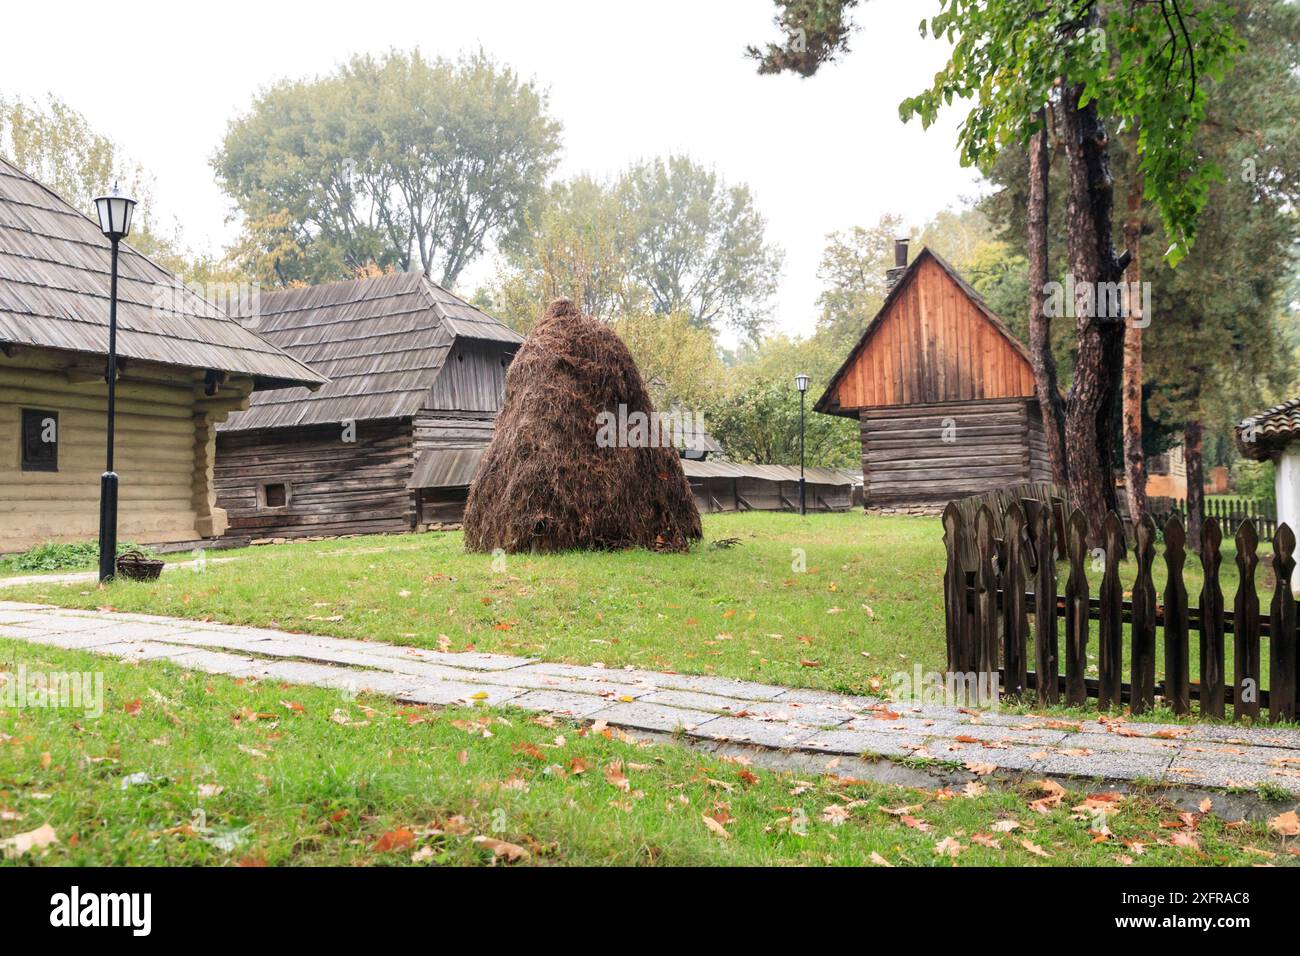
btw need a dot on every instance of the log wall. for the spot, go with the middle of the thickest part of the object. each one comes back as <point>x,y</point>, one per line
<point>333,486</point>
<point>164,442</point>
<point>927,455</point>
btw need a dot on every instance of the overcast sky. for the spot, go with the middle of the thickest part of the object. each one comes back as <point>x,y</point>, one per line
<point>627,78</point>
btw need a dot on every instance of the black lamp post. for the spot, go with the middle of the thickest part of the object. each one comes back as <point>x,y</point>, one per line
<point>801,383</point>
<point>115,220</point>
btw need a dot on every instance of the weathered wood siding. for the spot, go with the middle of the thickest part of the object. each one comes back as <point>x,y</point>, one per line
<point>929,454</point>
<point>473,377</point>
<point>743,494</point>
<point>164,446</point>
<point>933,345</point>
<point>334,486</point>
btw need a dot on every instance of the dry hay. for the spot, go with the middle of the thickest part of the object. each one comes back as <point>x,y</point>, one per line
<point>544,483</point>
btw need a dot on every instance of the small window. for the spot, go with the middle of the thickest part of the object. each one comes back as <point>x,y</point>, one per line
<point>274,495</point>
<point>40,440</point>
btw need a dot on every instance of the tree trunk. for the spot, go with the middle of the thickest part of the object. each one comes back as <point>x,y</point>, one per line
<point>1040,323</point>
<point>1135,466</point>
<point>1193,447</point>
<point>1090,415</point>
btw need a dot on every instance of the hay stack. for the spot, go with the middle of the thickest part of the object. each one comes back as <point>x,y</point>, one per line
<point>544,484</point>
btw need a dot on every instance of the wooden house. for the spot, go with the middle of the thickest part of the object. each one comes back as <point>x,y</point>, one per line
<point>183,366</point>
<point>393,441</point>
<point>943,391</point>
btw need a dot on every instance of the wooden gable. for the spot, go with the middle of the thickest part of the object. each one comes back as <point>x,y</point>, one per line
<point>933,341</point>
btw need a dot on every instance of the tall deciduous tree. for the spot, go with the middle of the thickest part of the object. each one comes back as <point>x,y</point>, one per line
<point>398,160</point>
<point>699,245</point>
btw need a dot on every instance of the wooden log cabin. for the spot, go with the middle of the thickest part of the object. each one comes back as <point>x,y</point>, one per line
<point>184,365</point>
<point>943,391</point>
<point>392,443</point>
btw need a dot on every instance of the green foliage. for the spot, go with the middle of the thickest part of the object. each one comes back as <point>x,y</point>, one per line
<point>77,556</point>
<point>670,348</point>
<point>852,268</point>
<point>398,161</point>
<point>578,246</point>
<point>699,245</point>
<point>814,31</point>
<point>756,418</point>
<point>668,237</point>
<point>1144,64</point>
<point>1254,479</point>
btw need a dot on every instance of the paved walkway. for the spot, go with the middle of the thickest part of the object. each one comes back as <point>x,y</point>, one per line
<point>710,709</point>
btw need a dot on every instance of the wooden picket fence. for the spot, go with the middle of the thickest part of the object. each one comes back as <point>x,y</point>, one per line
<point>1229,512</point>
<point>990,600</point>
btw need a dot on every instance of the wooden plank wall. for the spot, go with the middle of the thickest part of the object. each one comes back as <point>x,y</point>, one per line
<point>335,487</point>
<point>473,377</point>
<point>725,494</point>
<point>906,460</point>
<point>934,345</point>
<point>155,458</point>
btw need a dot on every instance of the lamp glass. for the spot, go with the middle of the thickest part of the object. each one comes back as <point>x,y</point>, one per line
<point>115,213</point>
<point>801,382</point>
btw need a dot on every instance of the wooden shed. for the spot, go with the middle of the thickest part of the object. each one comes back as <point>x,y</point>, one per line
<point>393,441</point>
<point>183,366</point>
<point>944,393</point>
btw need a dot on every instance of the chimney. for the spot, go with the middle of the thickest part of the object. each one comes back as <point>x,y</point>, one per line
<point>900,264</point>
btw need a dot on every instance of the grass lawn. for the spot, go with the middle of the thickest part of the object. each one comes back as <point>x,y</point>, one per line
<point>867,603</point>
<point>185,768</point>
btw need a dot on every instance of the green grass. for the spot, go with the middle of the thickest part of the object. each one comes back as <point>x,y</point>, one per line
<point>867,604</point>
<point>52,557</point>
<point>186,768</point>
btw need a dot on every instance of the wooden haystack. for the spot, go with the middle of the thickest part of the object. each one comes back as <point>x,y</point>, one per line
<point>545,483</point>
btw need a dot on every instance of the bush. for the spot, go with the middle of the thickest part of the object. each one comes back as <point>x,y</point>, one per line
<point>1253,479</point>
<point>79,556</point>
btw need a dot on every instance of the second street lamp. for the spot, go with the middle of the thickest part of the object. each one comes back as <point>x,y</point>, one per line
<point>114,212</point>
<point>801,383</point>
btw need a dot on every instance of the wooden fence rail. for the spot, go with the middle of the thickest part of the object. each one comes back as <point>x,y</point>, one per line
<point>995,585</point>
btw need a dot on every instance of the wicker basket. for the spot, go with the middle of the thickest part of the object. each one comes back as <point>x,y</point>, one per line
<point>137,567</point>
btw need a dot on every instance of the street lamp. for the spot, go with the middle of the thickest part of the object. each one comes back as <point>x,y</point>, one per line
<point>801,383</point>
<point>115,221</point>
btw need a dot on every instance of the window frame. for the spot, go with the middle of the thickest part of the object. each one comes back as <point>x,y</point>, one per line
<point>264,505</point>
<point>38,416</point>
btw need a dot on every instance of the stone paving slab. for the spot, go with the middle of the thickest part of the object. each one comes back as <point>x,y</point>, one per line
<point>710,711</point>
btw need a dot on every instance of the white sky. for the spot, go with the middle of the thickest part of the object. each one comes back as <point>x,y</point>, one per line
<point>627,78</point>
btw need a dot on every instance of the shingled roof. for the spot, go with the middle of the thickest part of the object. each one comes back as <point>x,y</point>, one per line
<point>1262,435</point>
<point>381,342</point>
<point>54,288</point>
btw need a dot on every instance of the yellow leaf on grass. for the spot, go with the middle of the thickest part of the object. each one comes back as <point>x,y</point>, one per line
<point>715,827</point>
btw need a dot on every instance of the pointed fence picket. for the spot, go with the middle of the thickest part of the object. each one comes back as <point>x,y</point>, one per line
<point>1002,612</point>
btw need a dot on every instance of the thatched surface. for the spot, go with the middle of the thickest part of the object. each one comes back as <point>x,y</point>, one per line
<point>544,484</point>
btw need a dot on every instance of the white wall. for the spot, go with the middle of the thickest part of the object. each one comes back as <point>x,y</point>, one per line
<point>1288,496</point>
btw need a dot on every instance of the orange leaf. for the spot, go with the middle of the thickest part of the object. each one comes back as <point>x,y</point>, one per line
<point>398,839</point>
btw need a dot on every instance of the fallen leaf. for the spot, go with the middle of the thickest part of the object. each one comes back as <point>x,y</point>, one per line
<point>948,847</point>
<point>398,839</point>
<point>22,843</point>
<point>1035,849</point>
<point>715,827</point>
<point>512,852</point>
<point>1285,824</point>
